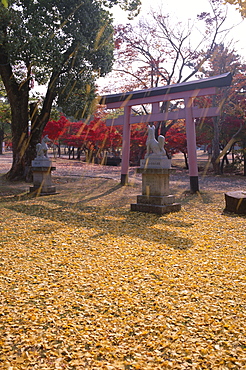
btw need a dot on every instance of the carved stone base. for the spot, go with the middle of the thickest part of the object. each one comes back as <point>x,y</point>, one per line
<point>40,190</point>
<point>42,181</point>
<point>155,181</point>
<point>156,200</point>
<point>155,196</point>
<point>159,210</point>
<point>236,202</point>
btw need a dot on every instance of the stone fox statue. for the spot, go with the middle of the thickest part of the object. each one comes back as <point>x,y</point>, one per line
<point>42,148</point>
<point>154,146</point>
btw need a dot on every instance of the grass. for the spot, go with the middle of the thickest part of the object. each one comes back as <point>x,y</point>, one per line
<point>87,284</point>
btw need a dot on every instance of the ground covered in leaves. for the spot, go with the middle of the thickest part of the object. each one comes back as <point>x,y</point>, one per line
<point>87,284</point>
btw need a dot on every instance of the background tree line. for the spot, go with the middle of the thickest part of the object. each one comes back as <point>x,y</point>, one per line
<point>158,52</point>
<point>78,48</point>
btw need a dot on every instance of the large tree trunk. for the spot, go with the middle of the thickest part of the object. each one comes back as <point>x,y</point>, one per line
<point>24,142</point>
<point>18,95</point>
<point>19,111</point>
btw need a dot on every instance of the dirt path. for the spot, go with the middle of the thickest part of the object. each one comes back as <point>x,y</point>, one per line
<point>179,179</point>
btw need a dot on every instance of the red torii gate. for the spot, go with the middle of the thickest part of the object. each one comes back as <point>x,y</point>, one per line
<point>186,91</point>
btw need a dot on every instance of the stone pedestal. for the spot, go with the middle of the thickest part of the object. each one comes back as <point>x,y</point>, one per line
<point>42,181</point>
<point>156,161</point>
<point>236,202</point>
<point>155,196</point>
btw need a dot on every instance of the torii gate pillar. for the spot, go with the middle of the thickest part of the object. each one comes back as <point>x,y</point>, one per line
<point>126,146</point>
<point>191,145</point>
<point>185,91</point>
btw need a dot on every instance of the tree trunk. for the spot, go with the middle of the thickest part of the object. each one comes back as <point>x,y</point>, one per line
<point>244,164</point>
<point>34,138</point>
<point>19,127</point>
<point>59,149</point>
<point>233,155</point>
<point>186,161</point>
<point>23,142</point>
<point>215,147</point>
<point>224,160</point>
<point>244,157</point>
<point>1,139</point>
<point>18,95</point>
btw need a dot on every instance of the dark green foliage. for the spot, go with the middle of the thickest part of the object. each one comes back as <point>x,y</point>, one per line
<point>63,44</point>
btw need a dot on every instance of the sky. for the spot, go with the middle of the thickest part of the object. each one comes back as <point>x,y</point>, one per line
<point>188,9</point>
<point>182,11</point>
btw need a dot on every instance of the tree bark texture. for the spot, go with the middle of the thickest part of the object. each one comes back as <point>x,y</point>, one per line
<point>24,142</point>
<point>216,147</point>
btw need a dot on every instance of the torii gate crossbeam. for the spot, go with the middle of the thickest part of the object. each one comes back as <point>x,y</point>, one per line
<point>186,91</point>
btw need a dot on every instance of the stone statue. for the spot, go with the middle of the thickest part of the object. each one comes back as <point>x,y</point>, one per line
<point>41,168</point>
<point>154,147</point>
<point>42,148</point>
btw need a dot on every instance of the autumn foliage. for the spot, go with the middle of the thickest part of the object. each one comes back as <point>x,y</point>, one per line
<point>96,139</point>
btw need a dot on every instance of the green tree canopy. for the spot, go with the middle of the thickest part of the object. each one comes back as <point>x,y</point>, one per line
<point>62,44</point>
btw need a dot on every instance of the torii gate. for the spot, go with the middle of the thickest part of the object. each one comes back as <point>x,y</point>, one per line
<point>186,91</point>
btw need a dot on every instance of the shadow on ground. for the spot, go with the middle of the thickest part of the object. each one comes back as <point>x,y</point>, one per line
<point>116,222</point>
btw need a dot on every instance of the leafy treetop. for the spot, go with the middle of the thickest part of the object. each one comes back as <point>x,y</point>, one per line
<point>5,3</point>
<point>241,6</point>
